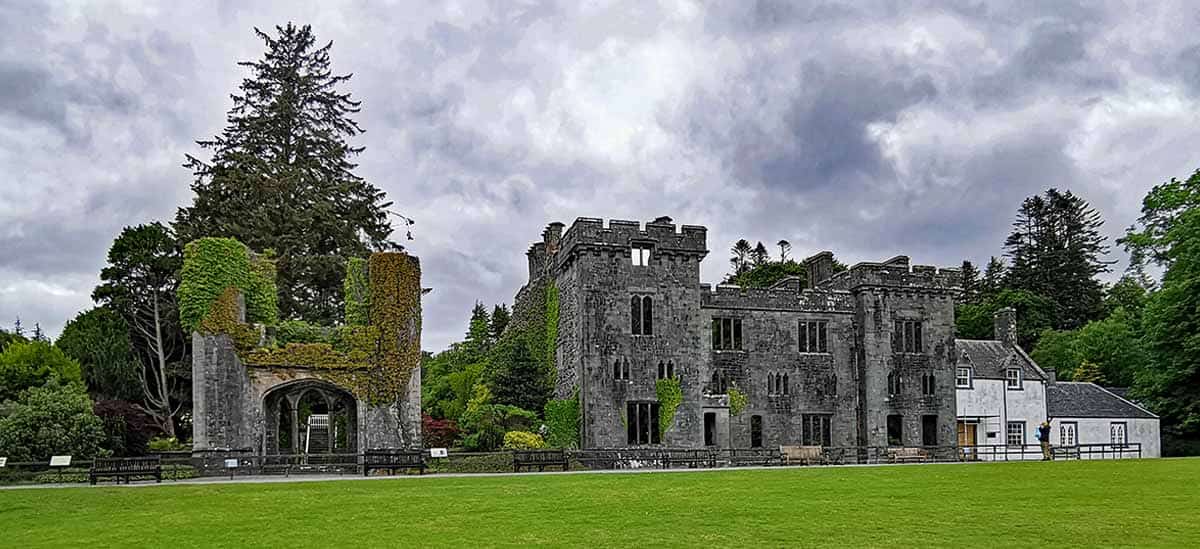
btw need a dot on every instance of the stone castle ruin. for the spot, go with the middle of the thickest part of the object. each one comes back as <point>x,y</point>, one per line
<point>863,357</point>
<point>273,387</point>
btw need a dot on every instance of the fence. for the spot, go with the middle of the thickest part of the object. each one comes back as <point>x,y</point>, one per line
<point>235,462</point>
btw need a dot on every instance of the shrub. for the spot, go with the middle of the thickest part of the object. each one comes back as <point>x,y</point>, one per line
<point>99,340</point>
<point>299,331</point>
<point>26,364</point>
<point>127,428</point>
<point>523,440</point>
<point>51,420</point>
<point>438,433</point>
<point>168,444</point>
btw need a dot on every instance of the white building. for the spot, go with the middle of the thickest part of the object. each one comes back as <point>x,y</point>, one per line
<point>1003,396</point>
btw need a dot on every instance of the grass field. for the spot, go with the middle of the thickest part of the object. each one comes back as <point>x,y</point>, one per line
<point>1064,504</point>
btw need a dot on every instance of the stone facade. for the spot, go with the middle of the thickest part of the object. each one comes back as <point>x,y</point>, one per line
<point>256,408</point>
<point>837,389</point>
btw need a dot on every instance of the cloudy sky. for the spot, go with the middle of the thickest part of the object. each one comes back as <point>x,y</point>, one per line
<point>866,128</point>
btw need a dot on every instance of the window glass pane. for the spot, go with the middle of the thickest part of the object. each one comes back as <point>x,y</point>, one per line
<point>822,340</point>
<point>803,337</point>
<point>825,434</point>
<point>737,333</point>
<point>726,333</point>
<point>635,255</point>
<point>635,313</point>
<point>898,337</point>
<point>647,316</point>
<point>653,409</point>
<point>646,256</point>
<point>631,422</point>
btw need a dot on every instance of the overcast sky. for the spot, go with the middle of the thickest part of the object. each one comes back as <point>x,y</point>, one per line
<point>860,127</point>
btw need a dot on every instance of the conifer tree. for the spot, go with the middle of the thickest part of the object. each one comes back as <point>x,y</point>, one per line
<point>479,332</point>
<point>759,256</point>
<point>500,318</point>
<point>281,176</point>
<point>970,282</point>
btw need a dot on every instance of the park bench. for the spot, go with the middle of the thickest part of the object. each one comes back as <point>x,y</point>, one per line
<point>393,460</point>
<point>740,457</point>
<point>691,458</point>
<point>1064,452</point>
<point>540,459</point>
<point>801,455</point>
<point>126,468</point>
<point>907,455</point>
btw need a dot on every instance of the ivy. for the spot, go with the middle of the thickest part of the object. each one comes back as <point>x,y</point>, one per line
<point>222,318</point>
<point>210,267</point>
<point>357,292</point>
<point>395,283</point>
<point>670,396</point>
<point>737,400</point>
<point>562,422</point>
<point>551,343</point>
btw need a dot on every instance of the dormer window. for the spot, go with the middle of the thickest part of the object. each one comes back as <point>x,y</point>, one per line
<point>1012,378</point>
<point>640,254</point>
<point>962,377</point>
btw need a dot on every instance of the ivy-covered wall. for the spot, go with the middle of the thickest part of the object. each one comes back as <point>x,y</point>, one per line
<point>357,292</point>
<point>213,265</point>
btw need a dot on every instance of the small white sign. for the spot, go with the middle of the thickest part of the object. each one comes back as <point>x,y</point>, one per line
<point>3,462</point>
<point>231,463</point>
<point>438,452</point>
<point>60,461</point>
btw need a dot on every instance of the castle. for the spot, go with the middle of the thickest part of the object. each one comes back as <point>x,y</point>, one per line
<point>862,357</point>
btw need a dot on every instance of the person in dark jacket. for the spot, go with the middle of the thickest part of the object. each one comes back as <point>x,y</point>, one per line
<point>1043,436</point>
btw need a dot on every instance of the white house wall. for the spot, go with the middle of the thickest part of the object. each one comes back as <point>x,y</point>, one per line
<point>995,405</point>
<point>1091,430</point>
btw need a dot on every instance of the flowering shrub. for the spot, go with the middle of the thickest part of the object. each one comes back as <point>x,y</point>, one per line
<point>523,440</point>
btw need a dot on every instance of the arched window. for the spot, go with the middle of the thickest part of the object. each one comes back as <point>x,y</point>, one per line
<point>770,383</point>
<point>647,316</point>
<point>670,369</point>
<point>617,369</point>
<point>662,370</point>
<point>785,384</point>
<point>778,384</point>
<point>641,315</point>
<point>894,384</point>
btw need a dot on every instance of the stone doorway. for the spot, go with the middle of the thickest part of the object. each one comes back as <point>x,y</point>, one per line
<point>311,417</point>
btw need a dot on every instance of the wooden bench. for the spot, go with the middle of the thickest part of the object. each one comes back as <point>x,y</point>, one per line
<point>691,458</point>
<point>907,455</point>
<point>393,460</point>
<point>126,468</point>
<point>802,455</point>
<point>540,459</point>
<point>754,456</point>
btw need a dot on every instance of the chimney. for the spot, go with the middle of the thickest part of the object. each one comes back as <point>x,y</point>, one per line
<point>1005,322</point>
<point>1051,376</point>
<point>551,237</point>
<point>820,268</point>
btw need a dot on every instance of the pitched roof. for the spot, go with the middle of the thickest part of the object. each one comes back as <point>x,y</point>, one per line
<point>1081,399</point>
<point>991,358</point>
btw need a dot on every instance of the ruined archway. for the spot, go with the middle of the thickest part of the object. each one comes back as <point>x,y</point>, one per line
<point>310,417</point>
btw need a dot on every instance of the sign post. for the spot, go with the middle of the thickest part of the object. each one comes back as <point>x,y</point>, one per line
<point>60,462</point>
<point>3,462</point>
<point>231,465</point>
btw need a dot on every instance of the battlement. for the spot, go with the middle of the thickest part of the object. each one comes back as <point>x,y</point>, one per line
<point>778,298</point>
<point>895,272</point>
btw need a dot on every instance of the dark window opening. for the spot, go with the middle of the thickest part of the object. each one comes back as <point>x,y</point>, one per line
<point>726,334</point>
<point>641,314</point>
<point>929,430</point>
<point>710,429</point>
<point>895,385</point>
<point>895,430</point>
<point>756,432</point>
<point>815,430</point>
<point>813,336</point>
<point>666,370</point>
<point>928,387</point>
<point>906,338</point>
<point>720,382</point>
<point>641,421</point>
<point>621,369</point>
<point>785,385</point>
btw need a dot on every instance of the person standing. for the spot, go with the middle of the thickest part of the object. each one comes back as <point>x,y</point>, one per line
<point>1043,436</point>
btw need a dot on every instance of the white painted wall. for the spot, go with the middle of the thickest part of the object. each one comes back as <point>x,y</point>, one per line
<point>1092,430</point>
<point>992,399</point>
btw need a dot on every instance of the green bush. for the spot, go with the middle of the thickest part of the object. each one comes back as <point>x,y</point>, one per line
<point>168,444</point>
<point>299,331</point>
<point>99,340</point>
<point>26,364</point>
<point>78,474</point>
<point>737,400</point>
<point>53,420</point>
<point>523,440</point>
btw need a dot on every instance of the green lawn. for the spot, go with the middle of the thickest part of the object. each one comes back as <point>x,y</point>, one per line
<point>1076,504</point>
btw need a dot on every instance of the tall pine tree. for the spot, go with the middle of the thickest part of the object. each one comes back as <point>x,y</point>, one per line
<point>281,176</point>
<point>1056,249</point>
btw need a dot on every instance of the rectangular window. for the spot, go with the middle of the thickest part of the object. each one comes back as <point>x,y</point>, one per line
<point>928,385</point>
<point>641,315</point>
<point>1016,433</point>
<point>929,430</point>
<point>727,334</point>
<point>1012,377</point>
<point>815,430</point>
<point>756,432</point>
<point>813,337</point>
<point>962,378</point>
<point>640,254</point>
<point>641,422</point>
<point>907,337</point>
<point>895,430</point>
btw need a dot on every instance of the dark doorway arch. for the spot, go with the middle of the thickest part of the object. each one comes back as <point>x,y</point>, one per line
<point>310,416</point>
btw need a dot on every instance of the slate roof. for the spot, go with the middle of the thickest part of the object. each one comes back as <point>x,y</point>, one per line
<point>1080,399</point>
<point>990,359</point>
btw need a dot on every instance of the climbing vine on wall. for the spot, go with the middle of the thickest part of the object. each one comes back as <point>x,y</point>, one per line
<point>737,400</point>
<point>210,267</point>
<point>222,318</point>
<point>562,422</point>
<point>358,292</point>
<point>670,396</point>
<point>551,343</point>
<point>396,313</point>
